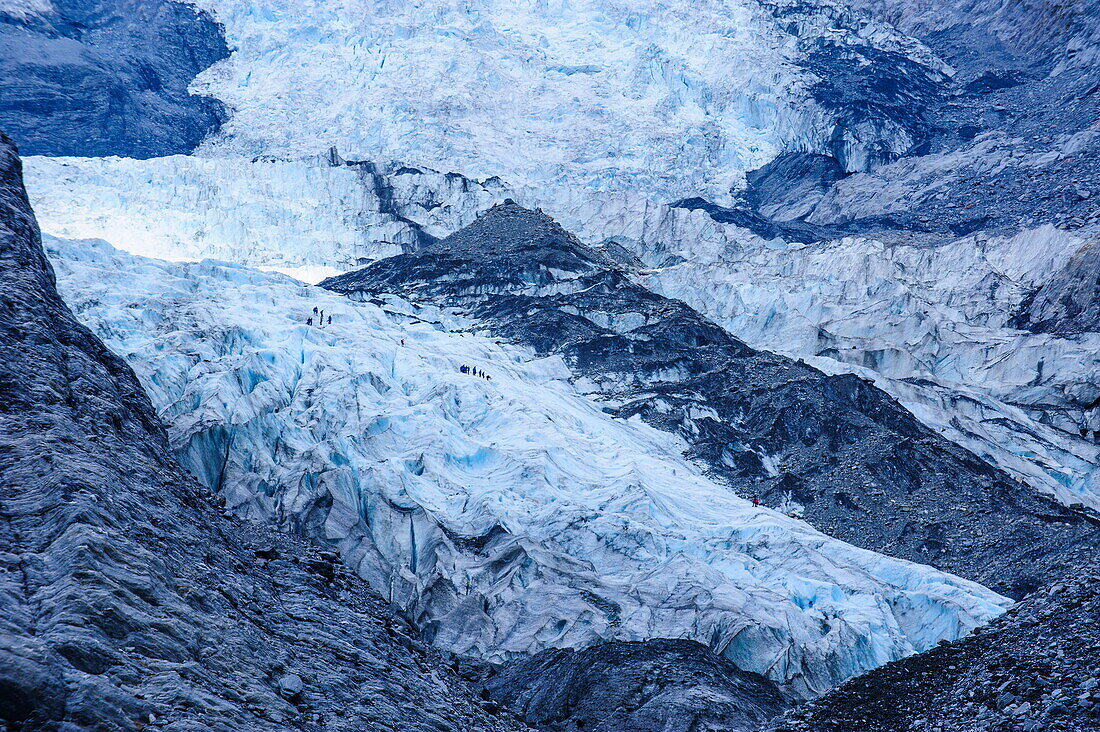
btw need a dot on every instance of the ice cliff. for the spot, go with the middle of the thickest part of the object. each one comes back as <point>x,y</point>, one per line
<point>667,99</point>
<point>504,516</point>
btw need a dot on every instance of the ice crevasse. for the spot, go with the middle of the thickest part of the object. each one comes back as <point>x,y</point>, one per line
<point>939,343</point>
<point>502,516</point>
<point>663,98</point>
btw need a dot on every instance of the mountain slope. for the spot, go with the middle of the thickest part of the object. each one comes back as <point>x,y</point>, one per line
<point>834,449</point>
<point>127,597</point>
<point>659,686</point>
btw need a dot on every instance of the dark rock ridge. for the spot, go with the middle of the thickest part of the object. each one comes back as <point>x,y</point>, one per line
<point>794,229</point>
<point>1069,302</point>
<point>1037,667</point>
<point>127,598</point>
<point>108,77</point>
<point>835,449</point>
<point>655,686</point>
<point>1024,72</point>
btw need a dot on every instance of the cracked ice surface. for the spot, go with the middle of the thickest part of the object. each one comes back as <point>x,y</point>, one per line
<point>927,322</point>
<point>506,516</point>
<point>617,95</point>
<point>664,98</point>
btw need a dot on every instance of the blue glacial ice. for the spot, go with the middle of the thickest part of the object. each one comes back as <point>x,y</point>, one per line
<point>502,516</point>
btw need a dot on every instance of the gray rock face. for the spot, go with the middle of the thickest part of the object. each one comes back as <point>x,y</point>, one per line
<point>1037,667</point>
<point>834,449</point>
<point>657,686</point>
<point>1004,142</point>
<point>107,77</point>
<point>127,598</point>
<point>1069,302</point>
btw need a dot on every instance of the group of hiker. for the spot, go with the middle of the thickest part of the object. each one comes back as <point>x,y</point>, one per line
<point>474,372</point>
<point>319,316</point>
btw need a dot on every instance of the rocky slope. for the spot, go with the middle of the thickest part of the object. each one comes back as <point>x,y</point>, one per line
<point>128,599</point>
<point>659,686</point>
<point>106,77</point>
<point>834,450</point>
<point>1037,667</point>
<point>1069,302</point>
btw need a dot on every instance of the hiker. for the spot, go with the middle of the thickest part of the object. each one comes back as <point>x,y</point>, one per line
<point>309,321</point>
<point>755,502</point>
<point>314,309</point>
<point>330,320</point>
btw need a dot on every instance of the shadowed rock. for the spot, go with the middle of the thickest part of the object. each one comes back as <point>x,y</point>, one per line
<point>107,77</point>
<point>656,686</point>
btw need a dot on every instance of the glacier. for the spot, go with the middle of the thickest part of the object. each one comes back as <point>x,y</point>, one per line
<point>602,114</point>
<point>878,305</point>
<point>945,249</point>
<point>503,517</point>
<point>667,99</point>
